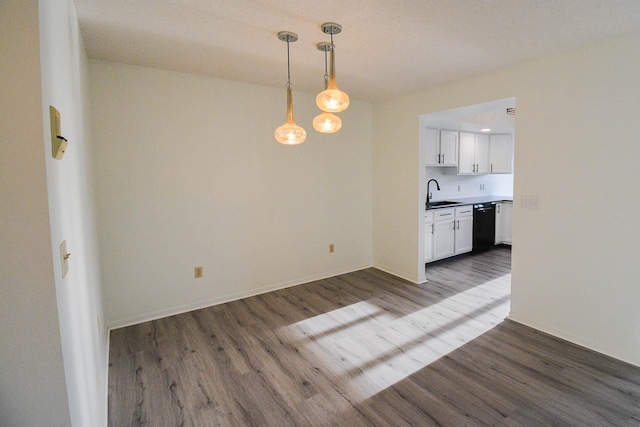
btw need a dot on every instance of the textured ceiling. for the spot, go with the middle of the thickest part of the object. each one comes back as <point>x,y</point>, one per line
<point>387,48</point>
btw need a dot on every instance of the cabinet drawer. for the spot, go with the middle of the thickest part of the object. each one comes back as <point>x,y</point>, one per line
<point>462,211</point>
<point>428,216</point>
<point>441,214</point>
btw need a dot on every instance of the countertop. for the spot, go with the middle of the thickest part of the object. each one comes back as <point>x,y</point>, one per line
<point>473,201</point>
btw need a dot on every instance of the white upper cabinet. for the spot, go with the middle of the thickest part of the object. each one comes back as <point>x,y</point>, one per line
<point>449,148</point>
<point>466,153</point>
<point>501,153</point>
<point>431,139</point>
<point>441,147</point>
<point>473,153</point>
<point>482,153</point>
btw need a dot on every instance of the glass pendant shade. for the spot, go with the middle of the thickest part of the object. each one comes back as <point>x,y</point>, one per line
<point>327,123</point>
<point>290,133</point>
<point>332,99</point>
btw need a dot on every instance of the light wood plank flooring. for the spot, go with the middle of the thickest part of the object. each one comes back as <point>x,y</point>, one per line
<point>366,349</point>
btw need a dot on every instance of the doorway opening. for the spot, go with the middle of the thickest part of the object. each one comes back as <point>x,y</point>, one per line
<point>467,157</point>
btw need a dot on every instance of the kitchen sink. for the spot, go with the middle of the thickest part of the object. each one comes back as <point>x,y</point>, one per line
<point>443,203</point>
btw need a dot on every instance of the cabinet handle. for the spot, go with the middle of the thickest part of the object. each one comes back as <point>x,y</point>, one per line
<point>431,228</point>
<point>498,208</point>
<point>491,167</point>
<point>446,214</point>
<point>465,211</point>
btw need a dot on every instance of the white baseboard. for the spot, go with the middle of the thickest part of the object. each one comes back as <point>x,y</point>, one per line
<point>172,311</point>
<point>579,341</point>
<point>105,410</point>
<point>397,273</point>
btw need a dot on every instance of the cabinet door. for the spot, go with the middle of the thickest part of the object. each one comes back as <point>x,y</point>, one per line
<point>443,239</point>
<point>466,153</point>
<point>448,148</point>
<point>507,221</point>
<point>431,140</point>
<point>501,154</point>
<point>499,224</point>
<point>482,153</point>
<point>464,235</point>
<point>428,241</point>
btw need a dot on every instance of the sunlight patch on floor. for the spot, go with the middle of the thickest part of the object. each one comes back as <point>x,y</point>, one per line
<point>371,349</point>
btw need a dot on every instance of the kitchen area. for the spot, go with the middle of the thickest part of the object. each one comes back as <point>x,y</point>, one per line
<point>467,156</point>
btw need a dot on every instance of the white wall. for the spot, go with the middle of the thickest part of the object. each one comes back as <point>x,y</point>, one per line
<point>32,380</point>
<point>72,215</point>
<point>189,174</point>
<point>497,185</point>
<point>574,261</point>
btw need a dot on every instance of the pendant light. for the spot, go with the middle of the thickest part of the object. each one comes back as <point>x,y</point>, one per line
<point>332,99</point>
<point>289,133</point>
<point>326,122</point>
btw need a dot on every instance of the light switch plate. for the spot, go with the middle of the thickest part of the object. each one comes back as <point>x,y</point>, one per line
<point>64,258</point>
<point>58,142</point>
<point>531,202</point>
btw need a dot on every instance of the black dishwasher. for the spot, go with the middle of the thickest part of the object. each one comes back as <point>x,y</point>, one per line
<point>484,226</point>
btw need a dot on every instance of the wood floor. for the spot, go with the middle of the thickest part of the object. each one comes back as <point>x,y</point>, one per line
<point>366,349</point>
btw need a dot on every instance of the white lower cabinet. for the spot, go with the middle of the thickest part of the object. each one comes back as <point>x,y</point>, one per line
<point>428,236</point>
<point>451,233</point>
<point>504,221</point>
<point>444,238</point>
<point>464,229</point>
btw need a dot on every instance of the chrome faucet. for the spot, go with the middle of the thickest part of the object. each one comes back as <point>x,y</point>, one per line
<point>428,193</point>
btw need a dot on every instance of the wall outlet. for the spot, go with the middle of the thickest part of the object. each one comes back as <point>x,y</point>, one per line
<point>197,272</point>
<point>531,202</point>
<point>331,249</point>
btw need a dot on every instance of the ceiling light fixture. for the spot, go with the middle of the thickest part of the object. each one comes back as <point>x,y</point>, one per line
<point>326,122</point>
<point>289,133</point>
<point>332,99</point>
<point>485,130</point>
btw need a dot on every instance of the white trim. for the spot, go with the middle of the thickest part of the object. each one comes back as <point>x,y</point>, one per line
<point>396,273</point>
<point>105,413</point>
